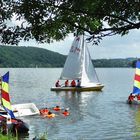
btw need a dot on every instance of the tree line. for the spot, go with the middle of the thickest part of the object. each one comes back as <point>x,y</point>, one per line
<point>31,57</point>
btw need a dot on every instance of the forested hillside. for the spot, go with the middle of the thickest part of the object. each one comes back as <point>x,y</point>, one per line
<point>29,57</point>
<point>22,57</point>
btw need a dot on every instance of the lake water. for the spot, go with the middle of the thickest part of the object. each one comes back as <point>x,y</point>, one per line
<point>93,115</point>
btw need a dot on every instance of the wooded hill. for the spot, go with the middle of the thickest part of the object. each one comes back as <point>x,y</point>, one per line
<point>25,57</point>
<point>29,57</point>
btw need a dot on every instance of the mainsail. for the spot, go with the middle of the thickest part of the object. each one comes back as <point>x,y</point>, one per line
<point>79,65</point>
<point>5,98</point>
<point>136,88</point>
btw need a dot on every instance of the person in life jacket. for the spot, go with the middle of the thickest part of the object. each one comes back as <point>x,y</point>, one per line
<point>73,83</point>
<point>50,115</point>
<point>57,108</point>
<point>66,83</point>
<point>57,84</point>
<point>78,83</point>
<point>138,97</point>
<point>131,98</point>
<point>66,112</point>
<point>44,111</point>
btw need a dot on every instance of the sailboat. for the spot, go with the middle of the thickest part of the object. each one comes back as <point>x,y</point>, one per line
<point>78,66</point>
<point>134,97</point>
<point>19,110</point>
<point>8,121</point>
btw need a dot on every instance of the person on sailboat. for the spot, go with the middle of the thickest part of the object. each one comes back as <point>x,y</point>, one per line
<point>78,83</point>
<point>138,97</point>
<point>73,83</point>
<point>66,83</point>
<point>57,84</point>
<point>131,98</point>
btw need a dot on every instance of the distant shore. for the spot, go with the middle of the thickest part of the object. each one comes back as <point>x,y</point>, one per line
<point>31,57</point>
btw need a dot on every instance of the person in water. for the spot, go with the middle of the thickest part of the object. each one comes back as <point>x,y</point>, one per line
<point>131,98</point>
<point>57,108</point>
<point>57,84</point>
<point>73,83</point>
<point>44,111</point>
<point>50,115</point>
<point>66,112</point>
<point>66,83</point>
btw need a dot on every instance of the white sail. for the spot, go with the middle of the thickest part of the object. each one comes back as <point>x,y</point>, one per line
<point>79,65</point>
<point>89,77</point>
<point>73,65</point>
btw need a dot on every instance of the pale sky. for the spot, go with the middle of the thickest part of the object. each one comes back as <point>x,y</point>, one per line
<point>110,47</point>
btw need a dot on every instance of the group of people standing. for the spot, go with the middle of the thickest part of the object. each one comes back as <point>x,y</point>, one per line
<point>67,84</point>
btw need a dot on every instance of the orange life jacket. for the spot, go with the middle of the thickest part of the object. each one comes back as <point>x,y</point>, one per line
<point>66,83</point>
<point>56,108</point>
<point>65,113</point>
<point>43,111</point>
<point>73,84</point>
<point>138,97</point>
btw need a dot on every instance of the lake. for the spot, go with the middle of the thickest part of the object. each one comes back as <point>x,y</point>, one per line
<point>93,115</point>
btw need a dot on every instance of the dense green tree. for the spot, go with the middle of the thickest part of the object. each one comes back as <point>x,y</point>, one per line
<point>48,20</point>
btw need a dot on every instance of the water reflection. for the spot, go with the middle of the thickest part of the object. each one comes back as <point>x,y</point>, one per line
<point>94,115</point>
<point>78,103</point>
<point>72,100</point>
<point>137,121</point>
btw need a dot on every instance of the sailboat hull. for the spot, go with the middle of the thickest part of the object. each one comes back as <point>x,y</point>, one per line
<point>95,88</point>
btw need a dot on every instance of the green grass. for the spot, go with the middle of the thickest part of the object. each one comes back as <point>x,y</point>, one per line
<point>7,137</point>
<point>11,137</point>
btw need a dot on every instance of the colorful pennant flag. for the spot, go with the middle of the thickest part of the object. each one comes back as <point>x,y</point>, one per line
<point>136,88</point>
<point>5,98</point>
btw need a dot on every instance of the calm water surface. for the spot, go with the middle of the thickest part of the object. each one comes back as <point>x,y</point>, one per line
<point>94,115</point>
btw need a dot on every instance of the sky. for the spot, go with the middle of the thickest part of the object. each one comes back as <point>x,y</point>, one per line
<point>110,47</point>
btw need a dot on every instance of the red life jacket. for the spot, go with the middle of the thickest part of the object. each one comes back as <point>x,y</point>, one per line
<point>73,84</point>
<point>57,108</point>
<point>138,97</point>
<point>66,113</point>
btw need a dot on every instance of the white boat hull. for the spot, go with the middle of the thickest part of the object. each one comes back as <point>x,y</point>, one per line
<point>94,88</point>
<point>25,109</point>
